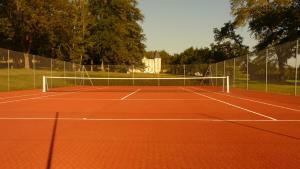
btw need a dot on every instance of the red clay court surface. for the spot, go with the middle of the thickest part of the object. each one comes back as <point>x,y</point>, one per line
<point>149,128</point>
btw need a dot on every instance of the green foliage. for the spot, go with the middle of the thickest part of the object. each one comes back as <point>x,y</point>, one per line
<point>193,56</point>
<point>273,23</point>
<point>228,45</point>
<point>243,10</point>
<point>165,57</point>
<point>276,24</point>
<point>116,32</point>
<point>77,30</point>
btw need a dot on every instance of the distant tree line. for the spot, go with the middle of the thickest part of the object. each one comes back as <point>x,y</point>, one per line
<point>227,45</point>
<point>74,30</point>
<point>271,22</point>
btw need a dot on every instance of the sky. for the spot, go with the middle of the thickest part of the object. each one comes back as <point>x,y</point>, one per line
<point>175,25</point>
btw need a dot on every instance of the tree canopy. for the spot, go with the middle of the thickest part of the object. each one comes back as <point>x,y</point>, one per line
<point>78,30</point>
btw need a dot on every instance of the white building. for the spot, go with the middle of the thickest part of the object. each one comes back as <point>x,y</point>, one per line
<point>152,64</point>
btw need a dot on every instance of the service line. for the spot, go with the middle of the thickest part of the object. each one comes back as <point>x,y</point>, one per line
<point>41,97</point>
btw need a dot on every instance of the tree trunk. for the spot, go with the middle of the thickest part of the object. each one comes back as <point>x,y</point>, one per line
<point>28,41</point>
<point>282,56</point>
<point>102,65</point>
<point>26,61</point>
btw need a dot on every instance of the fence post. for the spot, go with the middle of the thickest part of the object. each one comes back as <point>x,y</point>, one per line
<point>158,78</point>
<point>108,75</point>
<point>184,75</point>
<point>224,74</point>
<point>132,75</point>
<point>247,71</point>
<point>75,74</point>
<point>224,71</point>
<point>267,56</point>
<point>33,66</point>
<point>233,81</point>
<point>216,74</point>
<point>65,72</point>
<point>8,70</point>
<point>296,65</point>
<point>51,60</point>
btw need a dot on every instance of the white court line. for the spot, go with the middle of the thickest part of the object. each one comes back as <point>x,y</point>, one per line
<point>36,98</point>
<point>94,99</point>
<point>123,98</point>
<point>32,98</point>
<point>232,105</point>
<point>11,97</point>
<point>136,119</point>
<point>251,100</point>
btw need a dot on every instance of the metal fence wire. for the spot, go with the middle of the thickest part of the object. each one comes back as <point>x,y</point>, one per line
<point>275,69</point>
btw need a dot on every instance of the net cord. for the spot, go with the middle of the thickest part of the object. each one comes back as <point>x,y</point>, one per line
<point>225,79</point>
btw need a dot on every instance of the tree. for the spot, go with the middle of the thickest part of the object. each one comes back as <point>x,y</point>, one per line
<point>165,57</point>
<point>242,10</point>
<point>228,43</point>
<point>77,30</point>
<point>117,34</point>
<point>272,22</point>
<point>33,26</point>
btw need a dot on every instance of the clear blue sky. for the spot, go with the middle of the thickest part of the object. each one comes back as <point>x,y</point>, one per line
<point>175,25</point>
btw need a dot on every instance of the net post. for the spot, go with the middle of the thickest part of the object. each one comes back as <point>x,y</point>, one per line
<point>296,65</point>
<point>227,84</point>
<point>44,84</point>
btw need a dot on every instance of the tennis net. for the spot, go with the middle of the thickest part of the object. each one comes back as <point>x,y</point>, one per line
<point>96,84</point>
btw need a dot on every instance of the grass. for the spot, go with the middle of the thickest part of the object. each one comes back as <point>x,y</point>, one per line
<point>273,87</point>
<point>22,79</point>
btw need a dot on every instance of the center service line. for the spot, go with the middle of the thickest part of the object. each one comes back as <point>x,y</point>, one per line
<point>125,97</point>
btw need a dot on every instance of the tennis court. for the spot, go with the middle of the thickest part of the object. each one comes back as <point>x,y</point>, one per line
<point>149,127</point>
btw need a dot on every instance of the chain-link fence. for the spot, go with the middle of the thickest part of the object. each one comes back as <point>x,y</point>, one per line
<point>19,71</point>
<point>275,69</point>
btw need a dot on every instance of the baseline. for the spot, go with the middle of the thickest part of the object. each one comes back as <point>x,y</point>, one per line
<point>167,119</point>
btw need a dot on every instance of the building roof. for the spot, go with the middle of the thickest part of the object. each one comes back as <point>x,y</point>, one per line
<point>152,55</point>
